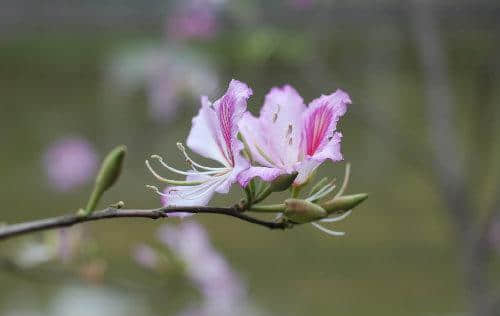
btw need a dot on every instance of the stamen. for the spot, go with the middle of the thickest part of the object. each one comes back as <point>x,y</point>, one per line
<point>246,149</point>
<point>337,218</point>
<point>169,181</point>
<point>263,154</point>
<point>275,115</point>
<point>290,129</point>
<point>156,190</point>
<point>186,173</point>
<point>328,231</point>
<point>191,161</point>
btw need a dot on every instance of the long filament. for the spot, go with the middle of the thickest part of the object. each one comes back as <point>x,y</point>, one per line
<point>186,173</point>
<point>337,218</point>
<point>328,231</point>
<point>169,181</point>
<point>191,161</point>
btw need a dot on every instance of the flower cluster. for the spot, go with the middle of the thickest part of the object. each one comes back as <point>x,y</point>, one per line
<point>279,149</point>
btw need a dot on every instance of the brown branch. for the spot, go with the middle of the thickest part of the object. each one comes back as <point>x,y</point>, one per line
<point>109,213</point>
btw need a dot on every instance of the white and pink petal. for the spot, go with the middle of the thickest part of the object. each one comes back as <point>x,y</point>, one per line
<point>305,168</point>
<point>256,138</point>
<point>264,173</point>
<point>280,119</point>
<point>203,138</point>
<point>241,164</point>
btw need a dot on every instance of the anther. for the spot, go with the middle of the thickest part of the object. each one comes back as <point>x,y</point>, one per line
<point>155,189</point>
<point>275,115</point>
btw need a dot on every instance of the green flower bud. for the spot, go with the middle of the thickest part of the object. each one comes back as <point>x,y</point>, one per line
<point>111,168</point>
<point>302,211</point>
<point>108,174</point>
<point>343,203</point>
<point>283,182</point>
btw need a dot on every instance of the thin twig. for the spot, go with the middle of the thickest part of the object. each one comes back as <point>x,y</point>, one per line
<point>109,213</point>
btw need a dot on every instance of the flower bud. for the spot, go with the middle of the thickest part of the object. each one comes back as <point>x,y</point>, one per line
<point>302,211</point>
<point>283,182</point>
<point>108,174</point>
<point>343,203</point>
<point>111,168</point>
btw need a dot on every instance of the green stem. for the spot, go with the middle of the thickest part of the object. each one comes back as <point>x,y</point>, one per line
<point>249,194</point>
<point>296,191</point>
<point>263,195</point>
<point>92,203</point>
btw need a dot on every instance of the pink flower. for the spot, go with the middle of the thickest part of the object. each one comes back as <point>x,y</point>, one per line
<point>288,136</point>
<point>145,256</point>
<point>219,285</point>
<point>69,163</point>
<point>213,135</point>
<point>193,23</point>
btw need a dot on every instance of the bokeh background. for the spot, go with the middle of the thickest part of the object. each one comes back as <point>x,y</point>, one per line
<point>103,73</point>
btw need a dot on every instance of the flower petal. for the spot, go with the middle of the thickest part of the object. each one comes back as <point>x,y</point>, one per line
<point>331,150</point>
<point>255,136</point>
<point>203,137</point>
<point>240,165</point>
<point>197,195</point>
<point>305,169</point>
<point>215,128</point>
<point>320,121</point>
<point>265,173</point>
<point>280,117</point>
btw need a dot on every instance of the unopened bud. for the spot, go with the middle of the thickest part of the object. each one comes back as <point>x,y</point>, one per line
<point>344,203</point>
<point>110,170</point>
<point>302,211</point>
<point>283,182</point>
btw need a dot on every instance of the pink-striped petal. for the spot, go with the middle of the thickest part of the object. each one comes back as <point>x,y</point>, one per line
<point>331,150</point>
<point>320,121</point>
<point>214,130</point>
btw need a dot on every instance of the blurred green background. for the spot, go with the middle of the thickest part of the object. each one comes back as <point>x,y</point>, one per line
<point>398,257</point>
